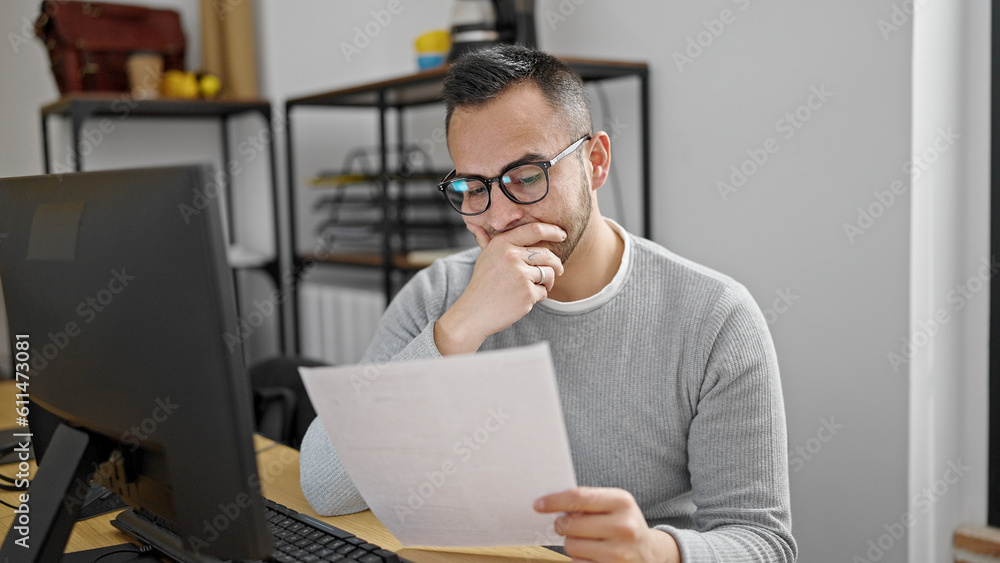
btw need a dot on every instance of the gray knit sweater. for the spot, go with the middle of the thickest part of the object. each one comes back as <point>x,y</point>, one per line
<point>669,386</point>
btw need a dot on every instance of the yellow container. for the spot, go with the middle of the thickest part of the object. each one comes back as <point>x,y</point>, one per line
<point>437,41</point>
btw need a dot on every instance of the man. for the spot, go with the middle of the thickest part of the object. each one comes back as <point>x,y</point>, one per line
<point>667,375</point>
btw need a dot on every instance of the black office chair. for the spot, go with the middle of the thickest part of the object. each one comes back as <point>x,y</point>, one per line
<point>282,408</point>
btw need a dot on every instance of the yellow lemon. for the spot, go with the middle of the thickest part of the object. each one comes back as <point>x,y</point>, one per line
<point>171,85</point>
<point>188,86</point>
<point>210,86</point>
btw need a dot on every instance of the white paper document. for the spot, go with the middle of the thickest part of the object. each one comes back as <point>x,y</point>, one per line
<point>451,452</point>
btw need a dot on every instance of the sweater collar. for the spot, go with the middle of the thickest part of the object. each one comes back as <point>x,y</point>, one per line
<point>607,292</point>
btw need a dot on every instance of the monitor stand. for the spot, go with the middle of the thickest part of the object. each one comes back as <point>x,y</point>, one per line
<point>42,525</point>
<point>160,539</point>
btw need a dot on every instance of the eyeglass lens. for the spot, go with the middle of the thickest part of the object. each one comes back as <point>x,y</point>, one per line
<point>526,184</point>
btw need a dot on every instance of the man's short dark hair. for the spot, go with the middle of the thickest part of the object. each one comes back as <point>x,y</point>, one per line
<point>477,78</point>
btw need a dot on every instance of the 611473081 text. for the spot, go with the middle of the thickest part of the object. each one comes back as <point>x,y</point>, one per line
<point>22,514</point>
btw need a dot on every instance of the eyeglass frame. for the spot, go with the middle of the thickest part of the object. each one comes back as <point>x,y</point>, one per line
<point>543,164</point>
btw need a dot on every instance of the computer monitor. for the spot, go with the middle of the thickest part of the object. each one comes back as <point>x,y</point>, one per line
<point>118,283</point>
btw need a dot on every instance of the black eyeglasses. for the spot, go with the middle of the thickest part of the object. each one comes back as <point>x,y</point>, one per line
<point>522,183</point>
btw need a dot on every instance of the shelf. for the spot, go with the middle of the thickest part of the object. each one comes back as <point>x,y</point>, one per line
<point>334,180</point>
<point>414,89</point>
<point>340,180</point>
<point>357,200</point>
<point>411,261</point>
<point>422,225</point>
<point>425,87</point>
<point>121,104</point>
<point>243,258</point>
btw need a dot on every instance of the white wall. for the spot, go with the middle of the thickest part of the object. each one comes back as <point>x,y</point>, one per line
<point>782,230</point>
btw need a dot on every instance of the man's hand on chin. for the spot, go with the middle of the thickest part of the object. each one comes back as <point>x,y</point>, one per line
<point>605,525</point>
<point>504,286</point>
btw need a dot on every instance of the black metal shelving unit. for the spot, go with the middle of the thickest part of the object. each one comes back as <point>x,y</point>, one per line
<point>416,90</point>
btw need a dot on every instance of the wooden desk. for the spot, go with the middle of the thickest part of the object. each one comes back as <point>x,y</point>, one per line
<point>278,466</point>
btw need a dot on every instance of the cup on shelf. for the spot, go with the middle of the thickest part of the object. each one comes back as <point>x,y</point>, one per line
<point>145,71</point>
<point>432,48</point>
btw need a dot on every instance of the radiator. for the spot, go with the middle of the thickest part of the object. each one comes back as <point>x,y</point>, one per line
<point>337,323</point>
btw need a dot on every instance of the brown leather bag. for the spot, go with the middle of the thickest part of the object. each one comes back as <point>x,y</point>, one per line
<point>90,42</point>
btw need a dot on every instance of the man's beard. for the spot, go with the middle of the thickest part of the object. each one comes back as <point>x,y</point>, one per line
<point>575,225</point>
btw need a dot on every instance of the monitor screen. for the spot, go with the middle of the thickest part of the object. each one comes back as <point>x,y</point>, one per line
<point>119,294</point>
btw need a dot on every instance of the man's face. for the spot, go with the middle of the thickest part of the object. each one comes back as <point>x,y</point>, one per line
<point>518,124</point>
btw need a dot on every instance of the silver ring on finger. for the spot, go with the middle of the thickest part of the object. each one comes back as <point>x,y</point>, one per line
<point>542,272</point>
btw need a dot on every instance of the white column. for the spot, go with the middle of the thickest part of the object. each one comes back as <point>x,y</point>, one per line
<point>949,284</point>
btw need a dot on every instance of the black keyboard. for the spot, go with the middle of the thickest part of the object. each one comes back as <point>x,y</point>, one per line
<point>300,537</point>
<point>297,538</point>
